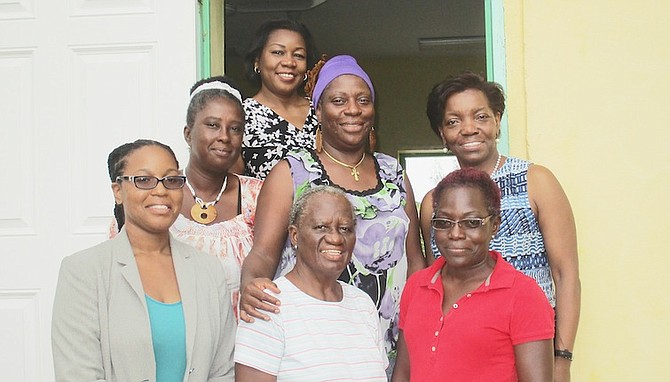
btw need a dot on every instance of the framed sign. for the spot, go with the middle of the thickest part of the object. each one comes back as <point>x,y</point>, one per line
<point>425,168</point>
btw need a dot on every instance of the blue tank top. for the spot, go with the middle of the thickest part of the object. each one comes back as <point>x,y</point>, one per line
<point>519,239</point>
<point>168,334</point>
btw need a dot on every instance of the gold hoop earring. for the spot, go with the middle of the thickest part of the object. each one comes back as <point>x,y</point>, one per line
<point>318,140</point>
<point>257,70</point>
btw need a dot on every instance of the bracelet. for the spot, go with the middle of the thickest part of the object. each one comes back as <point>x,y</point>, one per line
<point>565,353</point>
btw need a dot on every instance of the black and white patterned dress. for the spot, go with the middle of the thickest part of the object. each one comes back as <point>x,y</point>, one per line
<point>268,137</point>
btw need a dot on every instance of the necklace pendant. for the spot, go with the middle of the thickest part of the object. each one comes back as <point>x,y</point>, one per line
<point>203,214</point>
<point>356,174</point>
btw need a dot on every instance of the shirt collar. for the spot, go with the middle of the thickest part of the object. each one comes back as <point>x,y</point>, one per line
<point>501,277</point>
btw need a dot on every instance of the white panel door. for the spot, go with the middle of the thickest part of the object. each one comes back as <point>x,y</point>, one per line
<point>77,78</point>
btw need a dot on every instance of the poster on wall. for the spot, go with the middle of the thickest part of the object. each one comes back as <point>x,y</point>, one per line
<point>425,168</point>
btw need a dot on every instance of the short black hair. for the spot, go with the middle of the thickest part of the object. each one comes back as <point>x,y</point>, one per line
<point>441,92</point>
<point>261,38</point>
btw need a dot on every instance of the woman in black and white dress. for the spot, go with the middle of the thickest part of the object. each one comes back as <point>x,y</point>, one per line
<point>279,118</point>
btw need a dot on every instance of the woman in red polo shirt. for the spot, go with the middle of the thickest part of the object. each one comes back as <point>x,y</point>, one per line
<point>471,316</point>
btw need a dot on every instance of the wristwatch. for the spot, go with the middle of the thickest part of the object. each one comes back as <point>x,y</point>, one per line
<point>565,353</point>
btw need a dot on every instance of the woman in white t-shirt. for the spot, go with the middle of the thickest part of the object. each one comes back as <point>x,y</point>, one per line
<point>316,336</point>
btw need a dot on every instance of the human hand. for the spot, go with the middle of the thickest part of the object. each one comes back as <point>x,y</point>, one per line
<point>253,298</point>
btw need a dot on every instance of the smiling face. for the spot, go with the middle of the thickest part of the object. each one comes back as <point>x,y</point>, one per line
<point>346,112</point>
<point>464,247</point>
<point>283,62</point>
<point>325,236</point>
<point>215,139</point>
<point>151,211</point>
<point>470,128</point>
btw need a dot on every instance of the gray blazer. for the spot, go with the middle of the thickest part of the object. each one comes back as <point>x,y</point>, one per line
<point>100,328</point>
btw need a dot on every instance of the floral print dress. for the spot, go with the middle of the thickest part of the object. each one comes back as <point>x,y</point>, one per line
<point>379,264</point>
<point>268,137</point>
<point>231,240</point>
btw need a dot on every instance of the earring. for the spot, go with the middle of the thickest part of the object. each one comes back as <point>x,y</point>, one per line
<point>372,140</point>
<point>318,140</point>
<point>445,149</point>
<point>497,140</point>
<point>304,79</point>
<point>257,70</point>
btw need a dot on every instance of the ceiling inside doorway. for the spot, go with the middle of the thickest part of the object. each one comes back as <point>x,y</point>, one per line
<point>367,28</point>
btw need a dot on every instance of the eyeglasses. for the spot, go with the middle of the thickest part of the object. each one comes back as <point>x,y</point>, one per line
<point>467,223</point>
<point>145,182</point>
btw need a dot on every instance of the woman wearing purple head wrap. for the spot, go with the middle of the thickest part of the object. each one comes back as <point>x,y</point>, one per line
<point>387,240</point>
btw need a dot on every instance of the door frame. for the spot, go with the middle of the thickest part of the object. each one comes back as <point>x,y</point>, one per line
<point>496,68</point>
<point>211,48</point>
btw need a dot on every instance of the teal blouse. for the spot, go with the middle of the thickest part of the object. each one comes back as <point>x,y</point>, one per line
<point>168,334</point>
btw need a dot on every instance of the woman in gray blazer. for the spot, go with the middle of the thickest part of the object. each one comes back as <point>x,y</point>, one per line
<point>143,306</point>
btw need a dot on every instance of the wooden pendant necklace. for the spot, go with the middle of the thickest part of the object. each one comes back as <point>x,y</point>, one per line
<point>354,168</point>
<point>205,212</point>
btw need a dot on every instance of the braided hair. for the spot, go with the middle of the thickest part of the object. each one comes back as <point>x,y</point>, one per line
<point>312,74</point>
<point>116,164</point>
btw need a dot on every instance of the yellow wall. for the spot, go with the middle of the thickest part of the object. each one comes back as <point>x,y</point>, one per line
<point>588,86</point>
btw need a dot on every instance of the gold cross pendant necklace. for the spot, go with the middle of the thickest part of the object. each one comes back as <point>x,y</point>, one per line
<point>354,168</point>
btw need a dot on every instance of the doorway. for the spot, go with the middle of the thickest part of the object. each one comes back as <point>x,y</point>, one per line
<point>406,47</point>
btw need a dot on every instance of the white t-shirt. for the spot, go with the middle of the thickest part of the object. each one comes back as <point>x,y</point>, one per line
<point>314,340</point>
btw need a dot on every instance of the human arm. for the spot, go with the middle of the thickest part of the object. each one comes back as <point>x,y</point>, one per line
<point>270,232</point>
<point>534,361</point>
<point>75,325</point>
<point>259,348</point>
<point>424,220</point>
<point>557,225</point>
<point>415,259</point>
<point>401,369</point>
<point>244,373</point>
<point>113,229</point>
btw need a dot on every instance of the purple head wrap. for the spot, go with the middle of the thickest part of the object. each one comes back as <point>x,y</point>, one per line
<point>334,68</point>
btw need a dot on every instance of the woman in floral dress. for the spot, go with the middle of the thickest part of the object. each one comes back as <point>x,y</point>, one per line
<point>218,210</point>
<point>387,240</point>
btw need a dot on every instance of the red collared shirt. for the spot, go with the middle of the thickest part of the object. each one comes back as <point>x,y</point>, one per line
<point>475,340</point>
